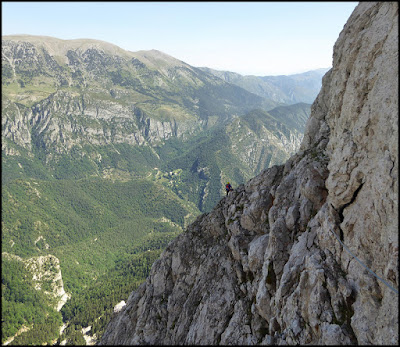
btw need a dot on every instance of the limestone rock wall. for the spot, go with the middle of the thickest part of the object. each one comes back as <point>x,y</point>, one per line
<point>265,266</point>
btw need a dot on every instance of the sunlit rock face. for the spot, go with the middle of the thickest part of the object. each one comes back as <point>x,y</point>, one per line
<point>264,266</point>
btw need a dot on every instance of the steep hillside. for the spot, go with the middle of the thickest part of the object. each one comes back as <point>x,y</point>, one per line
<point>31,287</point>
<point>93,230</point>
<point>278,261</point>
<point>107,155</point>
<point>234,152</point>
<point>291,89</point>
<point>79,108</point>
<point>303,87</point>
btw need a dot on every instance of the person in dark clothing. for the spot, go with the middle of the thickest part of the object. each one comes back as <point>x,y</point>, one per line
<point>228,188</point>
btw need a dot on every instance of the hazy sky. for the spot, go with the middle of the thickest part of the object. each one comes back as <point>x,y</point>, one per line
<point>250,38</point>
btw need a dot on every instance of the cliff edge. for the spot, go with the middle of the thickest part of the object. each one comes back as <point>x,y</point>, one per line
<point>294,255</point>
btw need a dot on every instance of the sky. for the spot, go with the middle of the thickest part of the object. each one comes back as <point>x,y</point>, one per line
<point>250,38</point>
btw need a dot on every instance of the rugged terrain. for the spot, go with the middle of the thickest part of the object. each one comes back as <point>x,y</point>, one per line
<point>107,155</point>
<point>267,265</point>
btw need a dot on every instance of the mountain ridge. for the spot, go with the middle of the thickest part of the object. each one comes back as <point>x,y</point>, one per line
<point>291,89</point>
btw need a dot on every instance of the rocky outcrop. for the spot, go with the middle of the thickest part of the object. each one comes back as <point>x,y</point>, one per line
<point>267,265</point>
<point>46,276</point>
<point>15,128</point>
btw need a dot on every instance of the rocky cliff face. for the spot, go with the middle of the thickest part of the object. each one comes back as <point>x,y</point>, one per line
<point>266,265</point>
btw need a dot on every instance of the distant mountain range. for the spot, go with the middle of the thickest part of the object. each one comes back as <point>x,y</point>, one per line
<point>292,89</point>
<point>108,154</point>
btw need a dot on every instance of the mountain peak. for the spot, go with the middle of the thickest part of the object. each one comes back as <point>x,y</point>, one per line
<point>59,47</point>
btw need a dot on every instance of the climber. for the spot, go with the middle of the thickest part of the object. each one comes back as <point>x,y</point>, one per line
<point>228,188</point>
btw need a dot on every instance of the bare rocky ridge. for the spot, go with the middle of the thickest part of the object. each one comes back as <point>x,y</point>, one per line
<point>264,267</point>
